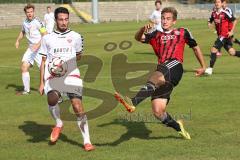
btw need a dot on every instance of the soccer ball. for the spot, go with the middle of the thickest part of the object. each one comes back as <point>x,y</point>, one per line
<point>57,67</point>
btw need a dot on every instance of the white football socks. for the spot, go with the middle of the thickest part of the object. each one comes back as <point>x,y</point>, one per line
<point>55,112</point>
<point>83,126</point>
<point>26,81</point>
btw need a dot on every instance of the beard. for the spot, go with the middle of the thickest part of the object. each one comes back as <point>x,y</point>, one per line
<point>62,29</point>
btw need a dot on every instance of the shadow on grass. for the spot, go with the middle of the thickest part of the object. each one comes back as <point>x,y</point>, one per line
<point>134,130</point>
<point>18,88</point>
<point>41,132</point>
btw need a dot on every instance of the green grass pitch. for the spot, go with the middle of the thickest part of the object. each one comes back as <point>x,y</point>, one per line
<point>208,105</point>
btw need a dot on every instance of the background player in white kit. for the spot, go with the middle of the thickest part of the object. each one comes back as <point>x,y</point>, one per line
<point>67,45</point>
<point>49,20</point>
<point>155,17</point>
<point>32,27</point>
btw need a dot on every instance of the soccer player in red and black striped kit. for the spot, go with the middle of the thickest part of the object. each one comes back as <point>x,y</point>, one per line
<point>229,10</point>
<point>168,46</point>
<point>223,20</point>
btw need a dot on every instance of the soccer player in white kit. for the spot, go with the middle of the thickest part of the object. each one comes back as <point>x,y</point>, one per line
<point>67,45</point>
<point>33,28</point>
<point>155,17</point>
<point>49,20</point>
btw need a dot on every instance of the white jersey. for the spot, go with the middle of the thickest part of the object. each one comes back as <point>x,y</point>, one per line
<point>65,46</point>
<point>49,21</point>
<point>32,30</point>
<point>156,16</point>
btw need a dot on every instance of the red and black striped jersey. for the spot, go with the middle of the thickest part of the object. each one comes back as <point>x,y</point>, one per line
<point>170,45</point>
<point>222,20</point>
<point>229,10</point>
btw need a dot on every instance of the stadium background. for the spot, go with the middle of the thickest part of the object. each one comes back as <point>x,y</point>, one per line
<point>11,11</point>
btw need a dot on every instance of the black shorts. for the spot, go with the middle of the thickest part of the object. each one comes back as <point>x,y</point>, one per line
<point>172,71</point>
<point>223,42</point>
<point>73,95</point>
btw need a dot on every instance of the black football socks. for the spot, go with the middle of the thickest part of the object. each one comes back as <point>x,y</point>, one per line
<point>237,54</point>
<point>213,58</point>
<point>145,92</point>
<point>169,122</point>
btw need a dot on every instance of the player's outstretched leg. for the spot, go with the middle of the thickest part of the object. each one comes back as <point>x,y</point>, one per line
<point>233,52</point>
<point>53,97</point>
<point>156,80</point>
<point>82,122</point>
<point>25,79</point>
<point>236,41</point>
<point>126,102</point>
<point>159,111</point>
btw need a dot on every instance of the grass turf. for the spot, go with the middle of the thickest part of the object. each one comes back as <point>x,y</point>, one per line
<point>209,105</point>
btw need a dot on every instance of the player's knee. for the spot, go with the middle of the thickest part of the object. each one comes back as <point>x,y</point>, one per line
<point>75,102</point>
<point>214,50</point>
<point>159,111</point>
<point>232,51</point>
<point>157,78</point>
<point>161,80</point>
<point>24,67</point>
<point>53,97</point>
<point>77,106</point>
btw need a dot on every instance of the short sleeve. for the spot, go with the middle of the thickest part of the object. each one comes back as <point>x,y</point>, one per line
<point>149,36</point>
<point>229,10</point>
<point>229,16</point>
<point>40,26</point>
<point>189,39</point>
<point>79,44</point>
<point>23,29</point>
<point>211,18</point>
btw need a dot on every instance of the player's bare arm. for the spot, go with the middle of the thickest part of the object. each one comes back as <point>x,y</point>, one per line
<point>139,36</point>
<point>79,56</point>
<point>210,25</point>
<point>233,28</point>
<point>42,69</point>
<point>198,53</point>
<point>19,38</point>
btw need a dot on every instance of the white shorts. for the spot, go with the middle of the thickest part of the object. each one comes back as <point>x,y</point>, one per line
<point>30,57</point>
<point>64,85</point>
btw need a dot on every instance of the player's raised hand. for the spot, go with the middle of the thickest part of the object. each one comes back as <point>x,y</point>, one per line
<point>199,72</point>
<point>41,89</point>
<point>17,44</point>
<point>148,27</point>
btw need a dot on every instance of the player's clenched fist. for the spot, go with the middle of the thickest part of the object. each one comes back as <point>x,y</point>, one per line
<point>41,89</point>
<point>148,27</point>
<point>199,71</point>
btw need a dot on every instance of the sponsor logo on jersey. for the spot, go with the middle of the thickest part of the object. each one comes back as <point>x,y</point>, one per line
<point>62,50</point>
<point>167,37</point>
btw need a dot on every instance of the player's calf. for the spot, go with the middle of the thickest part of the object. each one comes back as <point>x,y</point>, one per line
<point>156,80</point>
<point>233,52</point>
<point>167,120</point>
